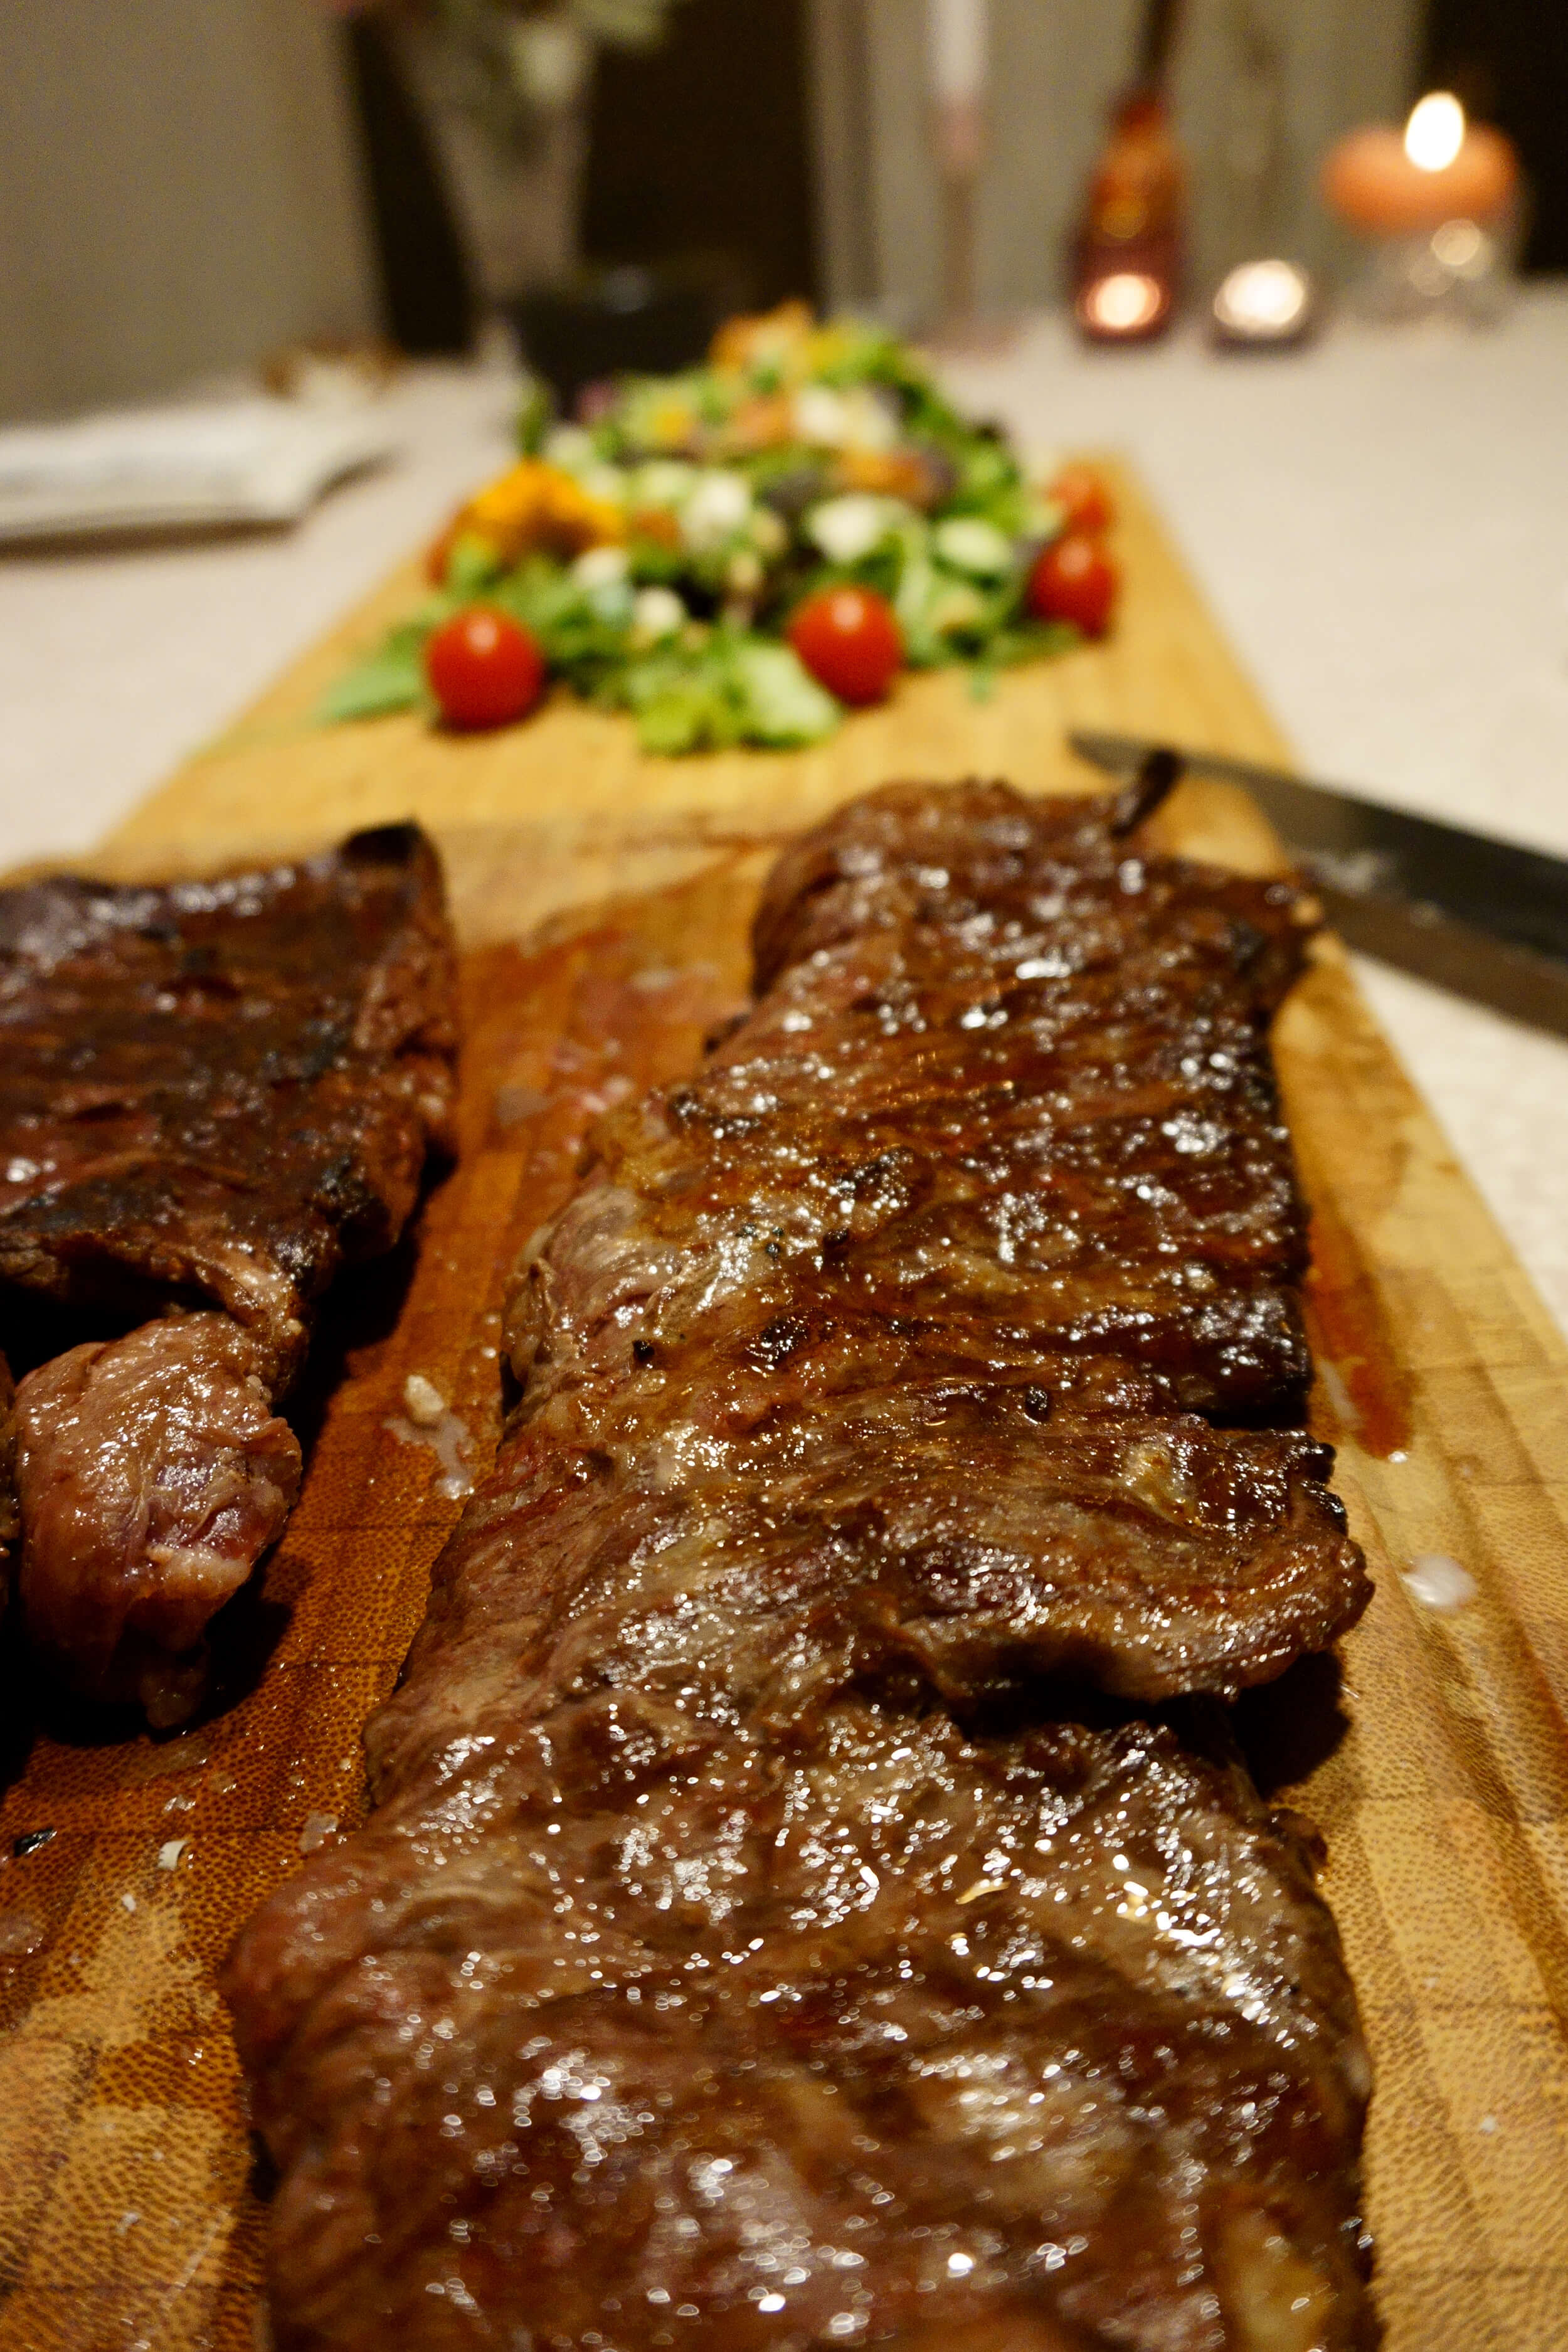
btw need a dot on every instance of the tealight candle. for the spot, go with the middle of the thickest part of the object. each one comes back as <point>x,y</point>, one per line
<point>1441,168</point>
<point>1437,207</point>
<point>1263,304</point>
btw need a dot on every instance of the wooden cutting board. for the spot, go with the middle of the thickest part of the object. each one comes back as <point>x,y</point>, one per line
<point>603,900</point>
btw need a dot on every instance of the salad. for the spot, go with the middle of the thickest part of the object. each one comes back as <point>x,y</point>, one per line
<point>736,554</point>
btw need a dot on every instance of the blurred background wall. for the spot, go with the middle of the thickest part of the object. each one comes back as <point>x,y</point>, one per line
<point>705,143</point>
<point>187,184</point>
<point>180,192</point>
<point>1262,88</point>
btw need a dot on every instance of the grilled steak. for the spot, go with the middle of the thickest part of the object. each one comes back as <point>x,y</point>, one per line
<point>1009,1090</point>
<point>213,1096</point>
<point>757,1941</point>
<point>656,2006</point>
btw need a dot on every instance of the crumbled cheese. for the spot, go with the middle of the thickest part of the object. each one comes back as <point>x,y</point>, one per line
<point>423,1400</point>
<point>447,1438</point>
<point>1438,1580</point>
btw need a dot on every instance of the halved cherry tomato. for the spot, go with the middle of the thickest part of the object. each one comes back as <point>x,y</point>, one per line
<point>1083,498</point>
<point>849,641</point>
<point>483,671</point>
<point>1074,580</point>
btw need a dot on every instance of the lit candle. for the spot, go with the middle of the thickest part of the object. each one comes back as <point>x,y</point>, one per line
<point>1263,304</point>
<point>1441,168</point>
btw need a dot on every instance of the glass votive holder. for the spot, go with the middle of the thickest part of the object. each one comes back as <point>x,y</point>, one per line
<point>1463,269</point>
<point>1437,210</point>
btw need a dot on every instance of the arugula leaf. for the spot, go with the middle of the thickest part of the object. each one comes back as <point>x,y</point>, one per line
<point>783,703</point>
<point>734,689</point>
<point>391,679</point>
<point>472,566</point>
<point>683,718</point>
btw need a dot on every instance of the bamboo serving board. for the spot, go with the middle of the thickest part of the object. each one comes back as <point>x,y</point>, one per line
<point>602,901</point>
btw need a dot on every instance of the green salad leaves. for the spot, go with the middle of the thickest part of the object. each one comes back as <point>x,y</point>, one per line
<point>656,550</point>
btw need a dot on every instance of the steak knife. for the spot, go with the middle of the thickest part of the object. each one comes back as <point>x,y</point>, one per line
<point>1483,917</point>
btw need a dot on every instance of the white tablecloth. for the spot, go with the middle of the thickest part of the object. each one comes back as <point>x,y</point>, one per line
<point>1380,522</point>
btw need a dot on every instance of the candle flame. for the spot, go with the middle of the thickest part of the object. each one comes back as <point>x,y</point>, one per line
<point>1435,130</point>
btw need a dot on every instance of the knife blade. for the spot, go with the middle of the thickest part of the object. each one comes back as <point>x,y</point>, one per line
<point>1483,917</point>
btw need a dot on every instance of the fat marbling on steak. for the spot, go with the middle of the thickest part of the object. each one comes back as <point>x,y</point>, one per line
<point>213,1096</point>
<point>768,1934</point>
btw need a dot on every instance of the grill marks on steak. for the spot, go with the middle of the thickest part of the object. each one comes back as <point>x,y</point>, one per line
<point>680,1982</point>
<point>959,1534</point>
<point>1043,1119</point>
<point>225,1089</point>
<point>714,1969</point>
<point>213,1093</point>
<point>1003,1127</point>
<point>912,854</point>
<point>983,1535</point>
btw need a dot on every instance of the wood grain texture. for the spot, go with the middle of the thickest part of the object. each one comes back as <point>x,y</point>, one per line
<point>1436,1759</point>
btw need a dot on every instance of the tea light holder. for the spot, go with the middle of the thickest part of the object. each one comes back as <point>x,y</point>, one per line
<point>1437,208</point>
<point>1264,306</point>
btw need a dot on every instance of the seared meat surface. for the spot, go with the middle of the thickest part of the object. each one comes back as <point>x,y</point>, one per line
<point>153,1474</point>
<point>221,1090</point>
<point>1038,1114</point>
<point>651,2010</point>
<point>212,1094</point>
<point>766,1935</point>
<point>960,1533</point>
<point>689,1976</point>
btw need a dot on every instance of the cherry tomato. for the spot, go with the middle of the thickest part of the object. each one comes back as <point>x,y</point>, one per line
<point>1082,498</point>
<point>849,641</point>
<point>484,671</point>
<point>1074,580</point>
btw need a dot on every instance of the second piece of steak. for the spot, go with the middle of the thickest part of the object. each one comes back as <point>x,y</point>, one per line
<point>221,1091</point>
<point>751,1949</point>
<point>213,1096</point>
